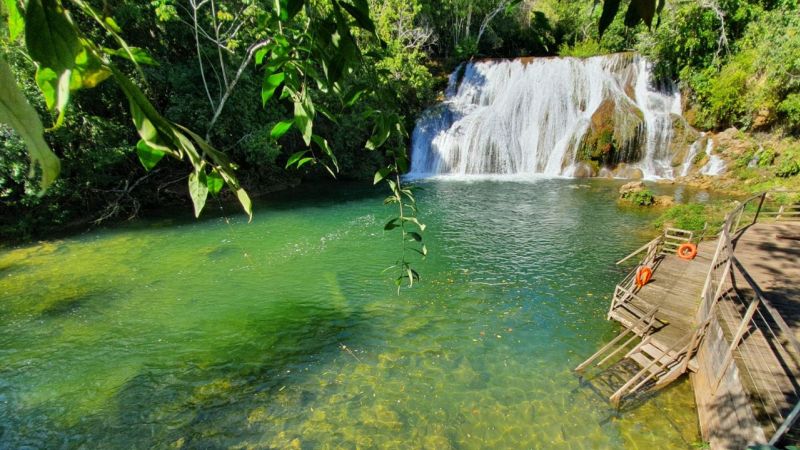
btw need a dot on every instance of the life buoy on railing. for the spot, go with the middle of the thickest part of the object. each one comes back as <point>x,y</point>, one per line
<point>643,275</point>
<point>687,251</point>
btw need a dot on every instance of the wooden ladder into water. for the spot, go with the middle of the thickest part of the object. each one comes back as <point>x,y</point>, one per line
<point>659,363</point>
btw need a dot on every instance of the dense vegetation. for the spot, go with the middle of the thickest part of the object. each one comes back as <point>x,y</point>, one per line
<point>738,62</point>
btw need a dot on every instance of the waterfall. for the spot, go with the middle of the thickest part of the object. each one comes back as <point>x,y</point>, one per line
<point>536,116</point>
<point>694,149</point>
<point>715,164</point>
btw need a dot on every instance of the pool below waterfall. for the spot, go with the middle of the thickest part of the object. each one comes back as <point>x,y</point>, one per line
<point>286,332</point>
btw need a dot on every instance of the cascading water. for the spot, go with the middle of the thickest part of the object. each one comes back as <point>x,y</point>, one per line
<point>534,116</point>
<point>694,149</point>
<point>715,164</point>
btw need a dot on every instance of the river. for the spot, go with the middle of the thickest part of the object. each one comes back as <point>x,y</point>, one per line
<point>286,333</point>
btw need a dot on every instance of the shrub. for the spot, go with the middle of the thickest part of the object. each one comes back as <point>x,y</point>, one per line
<point>583,49</point>
<point>765,157</point>
<point>694,217</point>
<point>790,110</point>
<point>643,197</point>
<point>789,168</point>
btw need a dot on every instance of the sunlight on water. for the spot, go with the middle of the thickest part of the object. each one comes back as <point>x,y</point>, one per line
<point>285,333</point>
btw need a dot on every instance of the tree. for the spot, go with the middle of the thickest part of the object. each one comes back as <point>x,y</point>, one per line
<point>304,50</point>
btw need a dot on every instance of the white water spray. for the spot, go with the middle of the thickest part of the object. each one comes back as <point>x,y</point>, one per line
<point>715,164</point>
<point>522,117</point>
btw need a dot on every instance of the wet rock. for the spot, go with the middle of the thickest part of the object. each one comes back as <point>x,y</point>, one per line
<point>683,136</point>
<point>614,133</point>
<point>583,170</point>
<point>605,172</point>
<point>633,186</point>
<point>664,201</point>
<point>625,171</point>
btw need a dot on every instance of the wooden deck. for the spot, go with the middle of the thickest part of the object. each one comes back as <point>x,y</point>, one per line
<point>730,317</point>
<point>675,289</point>
<point>770,253</point>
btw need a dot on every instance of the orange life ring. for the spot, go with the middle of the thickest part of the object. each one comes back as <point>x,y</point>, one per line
<point>687,251</point>
<point>643,275</point>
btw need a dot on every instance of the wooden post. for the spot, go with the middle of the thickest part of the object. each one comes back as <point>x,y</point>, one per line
<point>760,204</point>
<point>790,419</point>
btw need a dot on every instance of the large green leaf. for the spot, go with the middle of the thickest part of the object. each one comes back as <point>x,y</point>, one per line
<point>293,7</point>
<point>89,72</point>
<point>610,8</point>
<point>280,128</point>
<point>20,115</point>
<point>640,10</point>
<point>133,54</point>
<point>148,155</point>
<point>16,25</point>
<point>198,190</point>
<point>214,182</point>
<point>304,116</point>
<point>379,134</point>
<point>50,35</point>
<point>244,200</point>
<point>360,12</point>
<point>270,84</point>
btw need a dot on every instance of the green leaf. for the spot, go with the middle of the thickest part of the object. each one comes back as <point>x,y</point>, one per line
<point>303,119</point>
<point>415,221</point>
<point>610,8</point>
<point>214,182</point>
<point>360,12</point>
<point>415,236</point>
<point>55,89</point>
<point>281,128</point>
<point>51,37</point>
<point>198,190</point>
<point>643,10</point>
<point>381,174</point>
<point>260,54</point>
<point>20,115</point>
<point>133,54</point>
<point>269,85</point>
<point>112,24</point>
<point>303,161</point>
<point>244,200</point>
<point>379,134</point>
<point>16,24</point>
<point>293,7</point>
<point>659,8</point>
<point>295,157</point>
<point>148,155</point>
<point>323,145</point>
<point>89,71</point>
<point>392,224</point>
<point>352,97</point>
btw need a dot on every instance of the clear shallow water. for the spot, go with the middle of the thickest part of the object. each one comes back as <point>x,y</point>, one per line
<point>284,333</point>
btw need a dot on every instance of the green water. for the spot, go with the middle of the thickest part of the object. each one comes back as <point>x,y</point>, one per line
<point>285,333</point>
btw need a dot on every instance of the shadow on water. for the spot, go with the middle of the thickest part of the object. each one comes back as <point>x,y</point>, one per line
<point>233,398</point>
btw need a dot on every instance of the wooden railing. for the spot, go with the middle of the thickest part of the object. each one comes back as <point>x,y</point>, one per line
<point>758,316</point>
